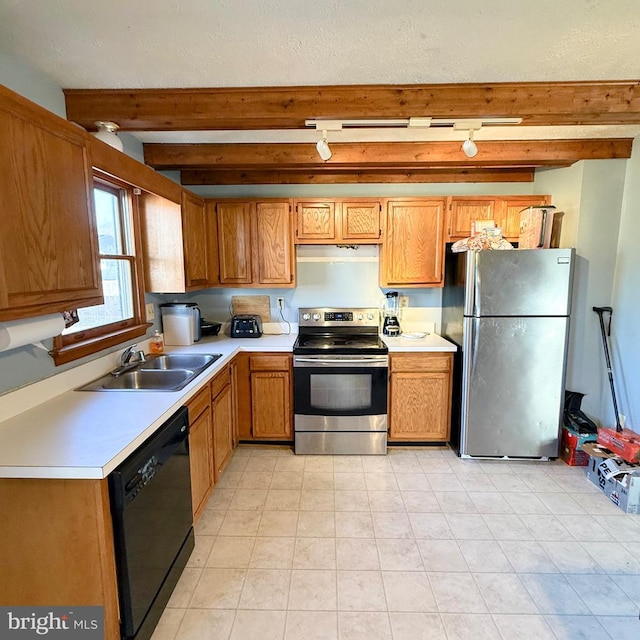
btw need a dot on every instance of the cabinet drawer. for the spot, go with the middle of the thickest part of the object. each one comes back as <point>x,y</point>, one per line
<point>198,403</point>
<point>270,363</point>
<point>220,382</point>
<point>421,362</point>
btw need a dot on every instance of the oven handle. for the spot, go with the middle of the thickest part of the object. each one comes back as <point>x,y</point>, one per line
<point>373,361</point>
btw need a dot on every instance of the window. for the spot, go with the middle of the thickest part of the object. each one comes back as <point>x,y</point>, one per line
<point>119,318</point>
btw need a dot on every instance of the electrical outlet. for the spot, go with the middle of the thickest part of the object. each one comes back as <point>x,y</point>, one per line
<point>404,301</point>
<point>280,303</point>
<point>150,311</point>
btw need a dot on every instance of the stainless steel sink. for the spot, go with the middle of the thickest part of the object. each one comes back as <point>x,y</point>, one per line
<point>169,372</point>
<point>194,361</point>
<point>150,380</point>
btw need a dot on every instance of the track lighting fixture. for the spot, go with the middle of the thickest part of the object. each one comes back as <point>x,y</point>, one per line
<point>323,147</point>
<point>469,146</point>
<point>107,132</point>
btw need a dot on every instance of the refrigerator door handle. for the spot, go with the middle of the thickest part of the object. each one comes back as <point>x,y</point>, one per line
<point>470,283</point>
<point>469,351</point>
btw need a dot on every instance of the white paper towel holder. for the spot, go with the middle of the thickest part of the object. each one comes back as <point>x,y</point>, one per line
<point>30,331</point>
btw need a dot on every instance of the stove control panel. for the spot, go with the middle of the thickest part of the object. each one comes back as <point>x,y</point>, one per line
<point>332,317</point>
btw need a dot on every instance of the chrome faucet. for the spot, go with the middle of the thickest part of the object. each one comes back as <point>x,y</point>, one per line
<point>129,359</point>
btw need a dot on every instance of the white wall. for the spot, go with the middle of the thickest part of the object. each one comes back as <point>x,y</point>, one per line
<point>590,193</point>
<point>326,276</point>
<point>625,332</point>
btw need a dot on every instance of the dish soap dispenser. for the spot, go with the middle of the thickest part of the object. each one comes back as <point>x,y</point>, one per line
<point>157,343</point>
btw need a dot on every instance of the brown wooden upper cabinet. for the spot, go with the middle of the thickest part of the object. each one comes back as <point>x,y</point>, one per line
<point>465,210</point>
<point>336,221</point>
<point>504,210</point>
<point>412,254</point>
<point>48,244</point>
<point>198,263</point>
<point>179,254</point>
<point>255,242</point>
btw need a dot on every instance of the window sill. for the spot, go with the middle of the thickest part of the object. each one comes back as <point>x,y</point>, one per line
<point>71,352</point>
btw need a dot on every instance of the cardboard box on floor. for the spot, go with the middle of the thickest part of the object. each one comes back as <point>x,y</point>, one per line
<point>618,480</point>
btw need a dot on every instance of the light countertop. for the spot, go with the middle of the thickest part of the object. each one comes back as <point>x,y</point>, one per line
<point>430,342</point>
<point>86,434</point>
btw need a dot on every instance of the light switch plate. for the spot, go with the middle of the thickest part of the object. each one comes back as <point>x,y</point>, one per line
<point>150,311</point>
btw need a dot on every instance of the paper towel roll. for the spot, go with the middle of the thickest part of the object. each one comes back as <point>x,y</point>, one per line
<point>18,333</point>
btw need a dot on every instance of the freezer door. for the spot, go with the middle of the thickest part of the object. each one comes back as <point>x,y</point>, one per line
<point>527,282</point>
<point>513,386</point>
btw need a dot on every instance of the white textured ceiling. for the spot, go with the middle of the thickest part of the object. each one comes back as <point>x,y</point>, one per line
<point>243,43</point>
<point>228,43</point>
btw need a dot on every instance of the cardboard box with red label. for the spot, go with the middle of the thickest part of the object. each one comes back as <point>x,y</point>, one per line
<point>619,480</point>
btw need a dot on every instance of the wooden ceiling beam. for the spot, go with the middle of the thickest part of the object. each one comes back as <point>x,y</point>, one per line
<point>232,176</point>
<point>398,156</point>
<point>538,103</point>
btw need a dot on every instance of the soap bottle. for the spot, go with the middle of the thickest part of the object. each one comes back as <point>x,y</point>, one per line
<point>157,343</point>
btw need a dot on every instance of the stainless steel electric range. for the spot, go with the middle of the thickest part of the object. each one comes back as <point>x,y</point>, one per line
<point>340,375</point>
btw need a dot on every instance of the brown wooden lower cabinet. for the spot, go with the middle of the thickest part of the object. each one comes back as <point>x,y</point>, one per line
<point>420,397</point>
<point>264,396</point>
<point>200,449</point>
<point>211,436</point>
<point>57,546</point>
<point>223,422</point>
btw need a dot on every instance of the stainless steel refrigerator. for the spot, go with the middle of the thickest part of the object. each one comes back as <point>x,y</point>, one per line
<point>508,312</point>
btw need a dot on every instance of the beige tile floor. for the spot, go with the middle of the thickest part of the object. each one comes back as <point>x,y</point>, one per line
<point>415,545</point>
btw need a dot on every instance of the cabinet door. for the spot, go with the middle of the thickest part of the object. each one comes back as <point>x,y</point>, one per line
<point>510,214</point>
<point>194,230</point>
<point>315,221</point>
<point>234,242</point>
<point>463,211</point>
<point>413,249</point>
<point>360,220</point>
<point>48,245</point>
<point>164,258</point>
<point>200,457</point>
<point>274,259</point>
<point>419,406</point>
<point>57,547</point>
<point>222,430</point>
<point>271,404</point>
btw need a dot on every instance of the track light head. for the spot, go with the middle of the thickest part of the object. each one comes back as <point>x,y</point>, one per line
<point>323,147</point>
<point>469,146</point>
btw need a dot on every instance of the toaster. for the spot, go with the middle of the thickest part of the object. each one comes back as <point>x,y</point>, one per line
<point>246,326</point>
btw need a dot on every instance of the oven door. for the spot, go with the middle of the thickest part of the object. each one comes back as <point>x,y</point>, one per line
<point>340,393</point>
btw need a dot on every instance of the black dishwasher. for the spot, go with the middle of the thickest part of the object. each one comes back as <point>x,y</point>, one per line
<point>153,525</point>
